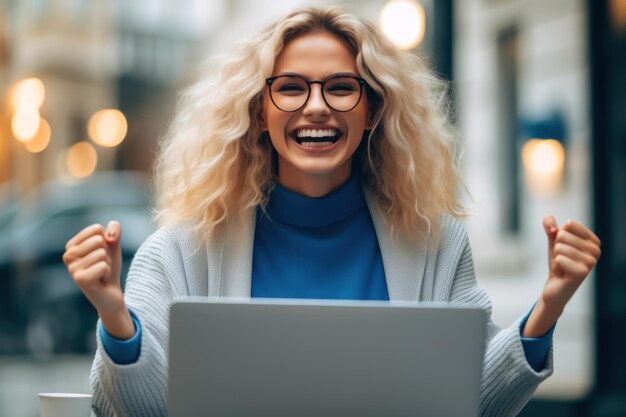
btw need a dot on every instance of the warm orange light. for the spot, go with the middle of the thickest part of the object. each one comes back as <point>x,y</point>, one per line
<point>403,22</point>
<point>41,139</point>
<point>81,160</point>
<point>28,93</point>
<point>108,127</point>
<point>543,161</point>
<point>618,13</point>
<point>25,123</point>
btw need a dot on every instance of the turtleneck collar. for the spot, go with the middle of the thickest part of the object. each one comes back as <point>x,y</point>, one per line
<point>297,210</point>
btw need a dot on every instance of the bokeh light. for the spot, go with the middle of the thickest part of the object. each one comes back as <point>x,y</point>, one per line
<point>543,160</point>
<point>81,160</point>
<point>25,123</point>
<point>41,139</point>
<point>107,127</point>
<point>404,23</point>
<point>28,93</point>
<point>618,13</point>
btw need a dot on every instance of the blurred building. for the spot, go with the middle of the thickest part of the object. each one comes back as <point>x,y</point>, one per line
<point>160,46</point>
<point>71,47</point>
<point>540,89</point>
<point>90,56</point>
<point>519,63</point>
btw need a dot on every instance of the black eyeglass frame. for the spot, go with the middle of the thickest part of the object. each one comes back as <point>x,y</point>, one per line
<point>269,81</point>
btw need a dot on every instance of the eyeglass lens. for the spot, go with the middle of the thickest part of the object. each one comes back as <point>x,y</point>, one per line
<point>291,93</point>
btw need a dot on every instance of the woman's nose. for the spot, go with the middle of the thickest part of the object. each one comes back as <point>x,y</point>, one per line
<point>316,105</point>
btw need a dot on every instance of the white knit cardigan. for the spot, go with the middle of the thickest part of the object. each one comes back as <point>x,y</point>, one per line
<point>172,263</point>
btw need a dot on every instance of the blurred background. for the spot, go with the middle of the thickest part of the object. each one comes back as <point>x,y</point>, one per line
<point>88,87</point>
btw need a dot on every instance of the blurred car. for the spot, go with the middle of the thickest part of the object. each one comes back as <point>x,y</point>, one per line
<point>43,310</point>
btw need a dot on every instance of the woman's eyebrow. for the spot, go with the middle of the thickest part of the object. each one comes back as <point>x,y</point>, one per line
<point>351,74</point>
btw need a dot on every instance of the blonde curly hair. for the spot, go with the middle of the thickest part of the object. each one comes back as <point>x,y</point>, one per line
<point>213,166</point>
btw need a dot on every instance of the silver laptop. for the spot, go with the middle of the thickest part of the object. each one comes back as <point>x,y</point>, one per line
<point>300,358</point>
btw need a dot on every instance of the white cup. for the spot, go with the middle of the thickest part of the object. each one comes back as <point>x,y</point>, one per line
<point>64,405</point>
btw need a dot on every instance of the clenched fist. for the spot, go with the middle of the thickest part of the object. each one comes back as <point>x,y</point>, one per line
<point>94,260</point>
<point>573,251</point>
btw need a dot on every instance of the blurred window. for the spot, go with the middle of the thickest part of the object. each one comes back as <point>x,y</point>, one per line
<point>78,10</point>
<point>39,7</point>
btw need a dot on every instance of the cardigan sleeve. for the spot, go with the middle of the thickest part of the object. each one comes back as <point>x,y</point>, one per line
<point>140,388</point>
<point>122,351</point>
<point>508,380</point>
<point>536,348</point>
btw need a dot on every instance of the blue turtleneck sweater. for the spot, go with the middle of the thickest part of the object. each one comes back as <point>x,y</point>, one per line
<point>324,248</point>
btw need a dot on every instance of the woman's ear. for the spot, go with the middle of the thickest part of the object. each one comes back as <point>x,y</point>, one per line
<point>259,108</point>
<point>371,117</point>
<point>372,110</point>
<point>262,123</point>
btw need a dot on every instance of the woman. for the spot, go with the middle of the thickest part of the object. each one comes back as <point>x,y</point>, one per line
<point>315,164</point>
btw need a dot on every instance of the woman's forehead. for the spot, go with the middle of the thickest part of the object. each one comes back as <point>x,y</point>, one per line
<point>316,54</point>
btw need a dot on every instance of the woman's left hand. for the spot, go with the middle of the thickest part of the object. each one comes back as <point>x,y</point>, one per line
<point>573,251</point>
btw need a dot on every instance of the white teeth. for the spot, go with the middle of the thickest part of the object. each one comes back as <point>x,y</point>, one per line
<point>316,144</point>
<point>316,133</point>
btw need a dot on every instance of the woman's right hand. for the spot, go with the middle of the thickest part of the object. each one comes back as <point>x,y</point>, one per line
<point>94,260</point>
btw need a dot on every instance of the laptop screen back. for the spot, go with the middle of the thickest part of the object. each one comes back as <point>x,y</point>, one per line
<point>324,358</point>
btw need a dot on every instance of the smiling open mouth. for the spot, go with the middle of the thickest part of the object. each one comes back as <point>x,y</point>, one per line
<point>316,138</point>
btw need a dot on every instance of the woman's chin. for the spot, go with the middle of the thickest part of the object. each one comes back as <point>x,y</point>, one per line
<point>318,168</point>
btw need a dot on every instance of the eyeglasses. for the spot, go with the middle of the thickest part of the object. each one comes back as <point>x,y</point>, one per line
<point>290,93</point>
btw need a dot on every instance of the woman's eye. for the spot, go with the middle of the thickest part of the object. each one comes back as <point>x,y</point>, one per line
<point>339,88</point>
<point>290,88</point>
